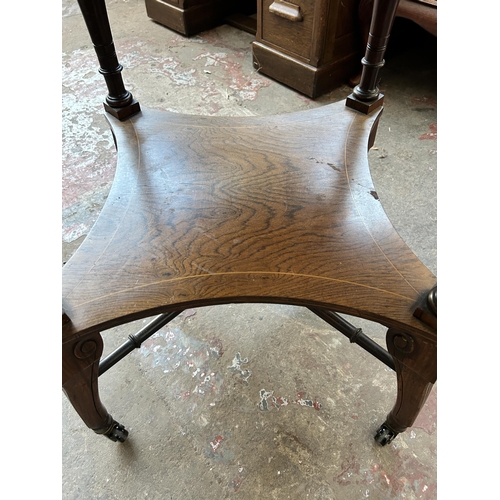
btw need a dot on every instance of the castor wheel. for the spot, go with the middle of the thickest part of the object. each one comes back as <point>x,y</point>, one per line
<point>117,433</point>
<point>385,435</point>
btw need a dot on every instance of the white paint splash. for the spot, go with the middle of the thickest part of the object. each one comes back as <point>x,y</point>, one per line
<point>236,368</point>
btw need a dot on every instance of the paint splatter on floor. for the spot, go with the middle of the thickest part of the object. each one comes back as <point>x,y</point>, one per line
<point>408,480</point>
<point>218,451</point>
<point>236,368</point>
<point>171,349</point>
<point>268,401</point>
<point>236,483</point>
<point>432,135</point>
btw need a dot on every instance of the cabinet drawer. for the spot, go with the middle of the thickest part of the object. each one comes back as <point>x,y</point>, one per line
<point>288,25</point>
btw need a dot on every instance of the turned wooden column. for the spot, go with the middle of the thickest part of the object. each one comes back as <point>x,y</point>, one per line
<point>119,102</point>
<point>366,96</point>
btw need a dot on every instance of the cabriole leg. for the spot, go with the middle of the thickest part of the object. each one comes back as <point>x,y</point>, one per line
<point>80,372</point>
<point>416,369</point>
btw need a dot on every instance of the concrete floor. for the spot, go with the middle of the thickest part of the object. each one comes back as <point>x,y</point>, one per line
<point>245,401</point>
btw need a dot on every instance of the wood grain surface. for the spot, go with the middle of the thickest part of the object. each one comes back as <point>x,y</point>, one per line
<point>209,210</point>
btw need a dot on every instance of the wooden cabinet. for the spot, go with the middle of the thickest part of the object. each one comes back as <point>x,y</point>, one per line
<point>312,46</point>
<point>188,17</point>
<point>312,51</point>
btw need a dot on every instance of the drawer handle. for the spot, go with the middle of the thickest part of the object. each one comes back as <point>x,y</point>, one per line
<point>286,10</point>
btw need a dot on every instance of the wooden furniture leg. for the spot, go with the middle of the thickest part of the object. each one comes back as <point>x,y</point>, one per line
<point>80,372</point>
<point>416,369</point>
<point>366,96</point>
<point>423,14</point>
<point>119,102</point>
